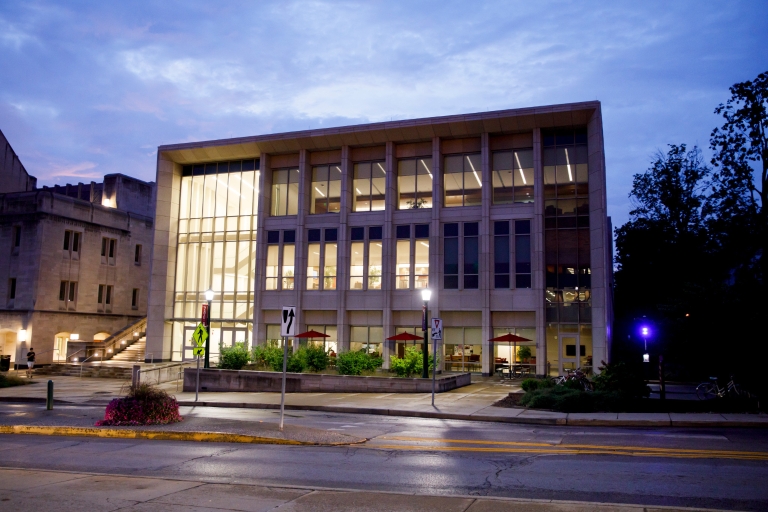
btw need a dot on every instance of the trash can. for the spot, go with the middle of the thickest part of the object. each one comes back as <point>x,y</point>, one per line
<point>5,363</point>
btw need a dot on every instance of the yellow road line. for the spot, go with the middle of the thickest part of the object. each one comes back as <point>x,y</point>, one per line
<point>653,449</point>
<point>567,451</point>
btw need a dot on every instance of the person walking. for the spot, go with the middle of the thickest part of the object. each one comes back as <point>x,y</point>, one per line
<point>30,362</point>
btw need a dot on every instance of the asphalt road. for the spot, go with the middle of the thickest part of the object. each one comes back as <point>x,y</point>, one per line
<point>724,469</point>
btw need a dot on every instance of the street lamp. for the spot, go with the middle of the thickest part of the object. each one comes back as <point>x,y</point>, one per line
<point>644,331</point>
<point>425,295</point>
<point>209,298</point>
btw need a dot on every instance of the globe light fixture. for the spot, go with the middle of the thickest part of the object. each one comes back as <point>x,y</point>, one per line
<point>426,294</point>
<point>209,296</point>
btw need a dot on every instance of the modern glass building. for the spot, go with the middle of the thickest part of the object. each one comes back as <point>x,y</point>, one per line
<point>501,214</point>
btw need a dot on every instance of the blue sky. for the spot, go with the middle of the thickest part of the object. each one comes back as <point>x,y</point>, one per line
<point>91,88</point>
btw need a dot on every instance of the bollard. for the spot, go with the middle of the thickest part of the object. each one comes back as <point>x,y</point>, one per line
<point>49,400</point>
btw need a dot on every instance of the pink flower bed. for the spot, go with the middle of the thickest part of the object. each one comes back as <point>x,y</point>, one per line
<point>144,406</point>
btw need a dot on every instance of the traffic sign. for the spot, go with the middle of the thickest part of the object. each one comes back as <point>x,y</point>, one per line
<point>200,335</point>
<point>288,321</point>
<point>437,328</point>
<point>198,351</point>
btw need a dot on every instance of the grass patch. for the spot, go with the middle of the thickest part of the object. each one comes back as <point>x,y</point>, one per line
<point>9,381</point>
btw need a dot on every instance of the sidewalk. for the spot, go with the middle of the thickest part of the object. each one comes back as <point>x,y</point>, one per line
<point>472,403</point>
<point>22,489</point>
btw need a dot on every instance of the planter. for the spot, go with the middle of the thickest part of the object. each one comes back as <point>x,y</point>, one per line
<point>247,380</point>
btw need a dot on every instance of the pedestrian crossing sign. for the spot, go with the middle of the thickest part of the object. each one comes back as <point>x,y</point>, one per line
<point>199,336</point>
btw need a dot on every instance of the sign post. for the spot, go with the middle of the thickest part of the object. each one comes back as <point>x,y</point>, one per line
<point>437,334</point>
<point>199,336</point>
<point>287,329</point>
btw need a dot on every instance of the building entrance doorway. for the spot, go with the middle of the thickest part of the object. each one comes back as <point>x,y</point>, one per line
<point>569,352</point>
<point>229,335</point>
<point>60,348</point>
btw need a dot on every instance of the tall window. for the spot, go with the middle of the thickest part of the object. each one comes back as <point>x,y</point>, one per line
<point>326,189</point>
<point>513,177</point>
<point>273,259</point>
<point>470,259</point>
<point>321,260</point>
<point>412,265</point>
<point>463,180</point>
<point>501,254</point>
<point>370,186</point>
<point>451,256</point>
<point>414,183</point>
<point>135,299</point>
<point>522,254</point>
<point>137,255</point>
<point>68,292</point>
<point>16,241</point>
<point>288,269</point>
<point>471,256</point>
<point>104,299</point>
<point>12,288</point>
<point>365,264</point>
<point>285,192</point>
<point>71,244</point>
<point>108,251</point>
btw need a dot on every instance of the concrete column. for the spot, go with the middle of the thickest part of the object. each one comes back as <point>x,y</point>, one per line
<point>598,239</point>
<point>163,259</point>
<point>485,255</point>
<point>342,254</point>
<point>305,196</point>
<point>389,250</point>
<point>265,196</point>
<point>435,236</point>
<point>537,258</point>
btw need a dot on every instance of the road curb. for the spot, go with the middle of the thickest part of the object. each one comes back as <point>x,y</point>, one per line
<point>581,422</point>
<point>170,435</point>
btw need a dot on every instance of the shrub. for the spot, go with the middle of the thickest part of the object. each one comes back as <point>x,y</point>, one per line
<point>297,361</point>
<point>534,384</point>
<point>317,358</point>
<point>272,356</point>
<point>356,363</point>
<point>412,363</point>
<point>144,405</point>
<point>234,357</point>
<point>524,352</point>
<point>8,381</point>
<point>623,379</point>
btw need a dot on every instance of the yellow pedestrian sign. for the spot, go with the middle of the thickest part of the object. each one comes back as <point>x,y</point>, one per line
<point>200,336</point>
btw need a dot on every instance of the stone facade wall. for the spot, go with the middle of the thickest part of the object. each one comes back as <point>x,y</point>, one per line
<point>13,175</point>
<point>245,380</point>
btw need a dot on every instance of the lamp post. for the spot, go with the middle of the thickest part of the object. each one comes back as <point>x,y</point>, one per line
<point>425,295</point>
<point>646,356</point>
<point>209,298</point>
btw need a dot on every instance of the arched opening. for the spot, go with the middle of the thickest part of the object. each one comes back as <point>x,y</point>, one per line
<point>8,343</point>
<point>101,336</point>
<point>60,341</point>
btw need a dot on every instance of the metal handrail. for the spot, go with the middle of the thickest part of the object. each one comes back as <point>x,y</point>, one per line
<point>83,361</point>
<point>81,350</point>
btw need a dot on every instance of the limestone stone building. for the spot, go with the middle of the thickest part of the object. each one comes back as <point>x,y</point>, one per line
<point>501,214</point>
<point>74,260</point>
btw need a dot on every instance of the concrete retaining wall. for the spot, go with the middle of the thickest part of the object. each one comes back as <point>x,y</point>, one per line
<point>245,380</point>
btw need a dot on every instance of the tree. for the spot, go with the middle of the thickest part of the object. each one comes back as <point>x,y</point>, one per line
<point>664,265</point>
<point>737,203</point>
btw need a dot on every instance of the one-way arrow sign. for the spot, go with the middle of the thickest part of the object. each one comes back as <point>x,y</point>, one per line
<point>288,324</point>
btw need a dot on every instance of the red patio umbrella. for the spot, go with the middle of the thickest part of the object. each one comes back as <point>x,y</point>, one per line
<point>405,336</point>
<point>312,334</point>
<point>510,338</point>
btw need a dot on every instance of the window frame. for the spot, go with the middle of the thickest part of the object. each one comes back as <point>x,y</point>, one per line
<point>429,171</point>
<point>327,183</point>
<point>467,168</point>
<point>367,278</point>
<point>516,169</point>
<point>137,254</point>
<point>370,197</point>
<point>289,207</point>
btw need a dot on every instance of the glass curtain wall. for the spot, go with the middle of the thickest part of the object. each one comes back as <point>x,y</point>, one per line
<point>566,244</point>
<point>216,250</point>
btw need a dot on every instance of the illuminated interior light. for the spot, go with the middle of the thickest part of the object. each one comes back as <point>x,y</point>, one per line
<point>424,244</point>
<point>337,168</point>
<point>358,191</point>
<point>382,168</point>
<point>520,167</point>
<point>474,172</point>
<point>568,164</point>
<point>318,191</point>
<point>427,168</point>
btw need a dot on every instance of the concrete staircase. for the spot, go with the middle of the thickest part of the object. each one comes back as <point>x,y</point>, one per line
<point>102,370</point>
<point>134,353</point>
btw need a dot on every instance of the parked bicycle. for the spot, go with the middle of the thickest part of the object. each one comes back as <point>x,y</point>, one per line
<point>578,376</point>
<point>711,389</point>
